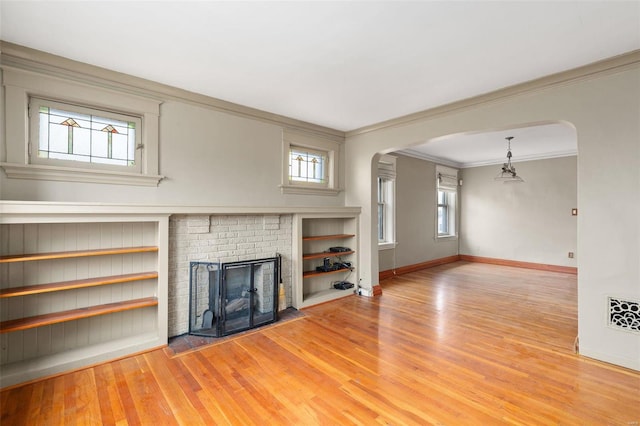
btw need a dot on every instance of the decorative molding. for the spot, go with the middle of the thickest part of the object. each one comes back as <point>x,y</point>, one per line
<point>414,153</point>
<point>607,66</point>
<point>58,66</point>
<point>308,190</point>
<point>385,275</point>
<point>43,211</point>
<point>41,172</point>
<point>382,275</point>
<point>390,273</point>
<point>519,264</point>
<point>497,161</point>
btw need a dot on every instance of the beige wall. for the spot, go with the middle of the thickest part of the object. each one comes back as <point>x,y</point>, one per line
<point>415,217</point>
<point>529,222</point>
<point>605,110</point>
<point>208,157</point>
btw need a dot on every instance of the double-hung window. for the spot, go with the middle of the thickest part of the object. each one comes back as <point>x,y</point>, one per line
<point>386,202</point>
<point>446,202</point>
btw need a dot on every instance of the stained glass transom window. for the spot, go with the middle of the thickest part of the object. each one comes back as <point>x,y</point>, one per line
<point>77,134</point>
<point>307,165</point>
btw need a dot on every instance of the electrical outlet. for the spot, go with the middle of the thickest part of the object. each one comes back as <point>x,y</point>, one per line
<point>570,255</point>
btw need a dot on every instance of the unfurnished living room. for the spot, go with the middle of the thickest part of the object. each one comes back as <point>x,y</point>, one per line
<point>301,213</point>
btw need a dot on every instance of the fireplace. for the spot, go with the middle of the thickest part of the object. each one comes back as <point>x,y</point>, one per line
<point>227,298</point>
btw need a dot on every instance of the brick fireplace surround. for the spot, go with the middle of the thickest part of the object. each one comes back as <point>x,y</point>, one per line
<point>222,238</point>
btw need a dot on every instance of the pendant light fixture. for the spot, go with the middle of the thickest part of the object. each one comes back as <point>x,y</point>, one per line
<point>508,172</point>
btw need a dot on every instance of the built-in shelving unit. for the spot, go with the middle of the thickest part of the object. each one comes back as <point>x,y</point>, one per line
<point>315,235</point>
<point>77,289</point>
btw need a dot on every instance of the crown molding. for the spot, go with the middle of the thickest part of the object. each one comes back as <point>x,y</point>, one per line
<point>534,157</point>
<point>596,69</point>
<point>422,156</point>
<point>522,158</point>
<point>49,64</point>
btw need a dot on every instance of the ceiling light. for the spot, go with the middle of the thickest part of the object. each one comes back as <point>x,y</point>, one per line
<point>508,172</point>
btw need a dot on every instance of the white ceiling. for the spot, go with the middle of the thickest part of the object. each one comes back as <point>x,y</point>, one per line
<point>344,65</point>
<point>535,142</point>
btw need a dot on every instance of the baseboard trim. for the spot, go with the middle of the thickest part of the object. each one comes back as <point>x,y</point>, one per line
<point>389,273</point>
<point>382,275</point>
<point>519,264</point>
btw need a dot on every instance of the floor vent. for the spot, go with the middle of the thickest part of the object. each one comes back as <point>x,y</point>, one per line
<point>624,314</point>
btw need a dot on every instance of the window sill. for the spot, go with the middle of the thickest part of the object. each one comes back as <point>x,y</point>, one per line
<point>308,190</point>
<point>446,238</point>
<point>40,172</point>
<point>387,246</point>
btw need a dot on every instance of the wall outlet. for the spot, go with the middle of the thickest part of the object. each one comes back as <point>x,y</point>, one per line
<point>570,255</point>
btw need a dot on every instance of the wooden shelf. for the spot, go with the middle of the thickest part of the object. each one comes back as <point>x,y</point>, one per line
<point>326,254</point>
<point>328,237</point>
<point>70,285</point>
<point>72,254</point>
<point>75,314</point>
<point>309,274</point>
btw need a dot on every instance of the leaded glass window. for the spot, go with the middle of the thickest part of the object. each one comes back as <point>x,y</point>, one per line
<point>306,165</point>
<point>72,133</point>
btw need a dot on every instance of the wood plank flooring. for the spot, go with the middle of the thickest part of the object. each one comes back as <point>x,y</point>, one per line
<point>458,344</point>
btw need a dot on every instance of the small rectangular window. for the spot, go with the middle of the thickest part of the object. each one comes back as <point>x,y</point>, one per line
<point>62,133</point>
<point>308,166</point>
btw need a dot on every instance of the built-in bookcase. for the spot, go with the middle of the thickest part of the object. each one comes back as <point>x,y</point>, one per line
<point>315,235</point>
<point>79,289</point>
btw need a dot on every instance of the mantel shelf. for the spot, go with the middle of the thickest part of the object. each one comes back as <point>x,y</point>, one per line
<point>328,237</point>
<point>322,255</point>
<point>75,314</point>
<point>78,253</point>
<point>70,285</point>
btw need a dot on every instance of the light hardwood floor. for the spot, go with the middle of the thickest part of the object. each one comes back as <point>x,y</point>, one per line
<point>458,344</point>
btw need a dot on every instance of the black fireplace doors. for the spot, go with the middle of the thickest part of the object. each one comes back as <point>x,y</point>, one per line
<point>226,298</point>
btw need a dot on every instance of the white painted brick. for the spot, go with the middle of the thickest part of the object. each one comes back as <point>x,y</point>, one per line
<point>229,220</point>
<point>229,238</point>
<point>198,229</point>
<point>271,219</point>
<point>247,220</point>
<point>198,221</point>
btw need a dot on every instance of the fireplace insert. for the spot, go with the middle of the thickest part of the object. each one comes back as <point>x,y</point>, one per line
<point>227,298</point>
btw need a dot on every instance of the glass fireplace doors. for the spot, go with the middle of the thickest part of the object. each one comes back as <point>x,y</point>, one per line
<point>231,297</point>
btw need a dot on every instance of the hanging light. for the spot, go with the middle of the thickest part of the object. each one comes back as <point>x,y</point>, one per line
<point>508,172</point>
